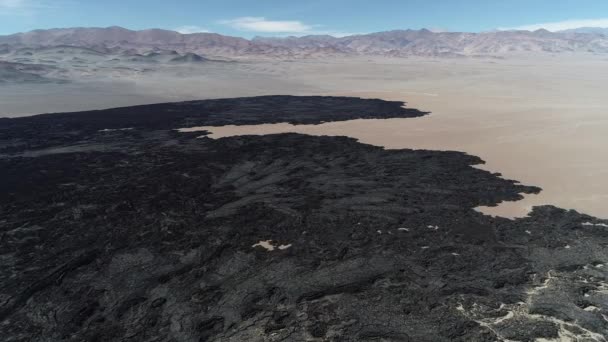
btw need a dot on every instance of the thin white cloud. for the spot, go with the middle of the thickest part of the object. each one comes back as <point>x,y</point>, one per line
<point>561,25</point>
<point>336,34</point>
<point>28,7</point>
<point>12,4</point>
<point>280,28</point>
<point>261,24</point>
<point>16,5</point>
<point>438,29</point>
<point>188,29</point>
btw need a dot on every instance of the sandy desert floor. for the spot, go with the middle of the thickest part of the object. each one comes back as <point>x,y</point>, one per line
<point>542,121</point>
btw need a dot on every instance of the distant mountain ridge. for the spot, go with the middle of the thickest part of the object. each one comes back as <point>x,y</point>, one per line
<point>398,43</point>
<point>593,30</point>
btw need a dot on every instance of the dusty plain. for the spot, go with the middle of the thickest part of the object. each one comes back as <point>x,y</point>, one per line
<point>541,120</point>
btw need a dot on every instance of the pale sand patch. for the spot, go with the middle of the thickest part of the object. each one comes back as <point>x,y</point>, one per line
<point>270,246</point>
<point>267,244</point>
<point>284,247</point>
<point>191,129</point>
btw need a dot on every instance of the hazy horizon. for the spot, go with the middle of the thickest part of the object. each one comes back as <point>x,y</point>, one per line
<point>242,18</point>
<point>582,29</point>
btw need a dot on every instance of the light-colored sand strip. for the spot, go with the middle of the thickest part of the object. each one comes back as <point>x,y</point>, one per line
<point>191,129</point>
<point>116,129</point>
<point>270,246</point>
<point>589,224</point>
<point>265,244</point>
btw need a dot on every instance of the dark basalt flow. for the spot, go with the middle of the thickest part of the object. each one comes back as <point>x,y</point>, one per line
<point>61,128</point>
<point>147,235</point>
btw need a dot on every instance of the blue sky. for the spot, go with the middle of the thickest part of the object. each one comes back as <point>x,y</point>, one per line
<point>248,18</point>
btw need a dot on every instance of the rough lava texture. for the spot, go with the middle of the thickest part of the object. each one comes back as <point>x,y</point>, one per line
<point>143,233</point>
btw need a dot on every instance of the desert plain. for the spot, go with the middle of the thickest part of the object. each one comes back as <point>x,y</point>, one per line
<point>541,120</point>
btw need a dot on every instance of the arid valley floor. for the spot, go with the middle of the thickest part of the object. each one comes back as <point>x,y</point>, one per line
<point>538,119</point>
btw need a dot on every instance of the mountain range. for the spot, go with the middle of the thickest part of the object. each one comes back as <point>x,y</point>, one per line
<point>595,30</point>
<point>397,43</point>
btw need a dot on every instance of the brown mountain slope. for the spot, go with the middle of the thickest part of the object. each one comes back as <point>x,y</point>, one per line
<point>390,43</point>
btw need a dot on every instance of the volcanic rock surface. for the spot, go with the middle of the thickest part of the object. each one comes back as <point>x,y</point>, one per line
<point>115,226</point>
